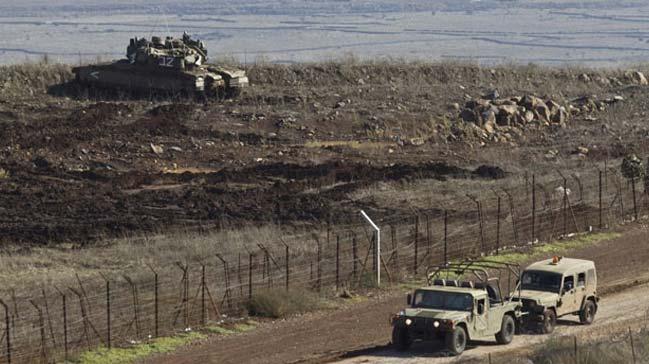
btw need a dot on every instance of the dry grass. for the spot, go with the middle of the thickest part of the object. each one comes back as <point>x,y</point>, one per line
<point>32,78</point>
<point>38,266</point>
<point>613,350</point>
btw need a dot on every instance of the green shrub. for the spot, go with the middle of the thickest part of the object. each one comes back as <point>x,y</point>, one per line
<point>281,303</point>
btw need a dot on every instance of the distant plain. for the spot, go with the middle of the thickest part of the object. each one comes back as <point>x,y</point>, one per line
<point>592,33</point>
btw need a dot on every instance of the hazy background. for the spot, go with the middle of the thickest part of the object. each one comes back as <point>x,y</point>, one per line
<point>594,32</point>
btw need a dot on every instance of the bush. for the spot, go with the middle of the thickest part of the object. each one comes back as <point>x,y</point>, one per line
<point>281,303</point>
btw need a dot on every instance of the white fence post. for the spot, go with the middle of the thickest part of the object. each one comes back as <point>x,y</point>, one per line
<point>378,247</point>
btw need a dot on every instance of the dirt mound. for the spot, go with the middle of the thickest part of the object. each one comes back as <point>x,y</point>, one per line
<point>492,172</point>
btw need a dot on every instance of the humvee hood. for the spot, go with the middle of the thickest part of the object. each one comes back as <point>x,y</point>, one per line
<point>540,297</point>
<point>436,314</point>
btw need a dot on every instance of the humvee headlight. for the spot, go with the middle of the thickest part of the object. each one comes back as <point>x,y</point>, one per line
<point>436,324</point>
<point>408,322</point>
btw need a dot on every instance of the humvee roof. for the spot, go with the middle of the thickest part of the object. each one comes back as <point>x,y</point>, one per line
<point>475,292</point>
<point>563,266</point>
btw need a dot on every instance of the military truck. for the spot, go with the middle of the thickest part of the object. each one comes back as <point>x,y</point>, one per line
<point>462,302</point>
<point>558,287</point>
<point>174,66</point>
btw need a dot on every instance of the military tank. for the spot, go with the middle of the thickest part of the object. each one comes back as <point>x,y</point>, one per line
<point>172,65</point>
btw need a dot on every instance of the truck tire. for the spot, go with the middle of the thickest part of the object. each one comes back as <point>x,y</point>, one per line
<point>507,330</point>
<point>456,340</point>
<point>549,321</point>
<point>587,314</point>
<point>400,338</point>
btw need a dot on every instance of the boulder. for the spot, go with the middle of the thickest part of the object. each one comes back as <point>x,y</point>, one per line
<point>490,126</point>
<point>542,112</point>
<point>528,116</point>
<point>637,77</point>
<point>488,116</point>
<point>561,116</point>
<point>507,114</point>
<point>468,116</point>
<point>530,102</point>
<point>156,149</point>
<point>492,95</point>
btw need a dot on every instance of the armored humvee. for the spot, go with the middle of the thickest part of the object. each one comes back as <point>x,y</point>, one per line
<point>470,306</point>
<point>175,66</point>
<point>558,287</point>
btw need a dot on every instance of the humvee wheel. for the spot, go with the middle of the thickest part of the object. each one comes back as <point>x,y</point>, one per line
<point>507,330</point>
<point>587,314</point>
<point>549,321</point>
<point>456,341</point>
<point>400,338</point>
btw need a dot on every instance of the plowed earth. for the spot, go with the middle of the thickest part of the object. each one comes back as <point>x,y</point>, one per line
<point>290,150</point>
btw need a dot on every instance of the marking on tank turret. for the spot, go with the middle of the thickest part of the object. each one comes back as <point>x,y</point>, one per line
<point>95,75</point>
<point>167,61</point>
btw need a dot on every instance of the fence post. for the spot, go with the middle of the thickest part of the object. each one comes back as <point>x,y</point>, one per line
<point>632,346</point>
<point>250,277</point>
<point>565,207</point>
<point>354,257</point>
<point>8,330</point>
<point>428,237</point>
<point>136,306</point>
<point>287,267</point>
<point>445,236</point>
<point>601,222</point>
<point>65,324</point>
<point>481,221</point>
<point>203,312</point>
<point>227,296</point>
<point>41,323</point>
<point>337,262</point>
<point>49,317</point>
<point>533,206</point>
<point>319,267</point>
<point>394,247</point>
<point>155,299</point>
<point>498,228</point>
<point>108,335</point>
<point>239,275</point>
<point>416,244</point>
<point>635,205</point>
<point>108,340</point>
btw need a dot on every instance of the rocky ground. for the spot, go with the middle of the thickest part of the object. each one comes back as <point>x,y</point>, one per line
<point>296,148</point>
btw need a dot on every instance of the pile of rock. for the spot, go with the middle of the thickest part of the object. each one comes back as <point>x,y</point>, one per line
<point>515,111</point>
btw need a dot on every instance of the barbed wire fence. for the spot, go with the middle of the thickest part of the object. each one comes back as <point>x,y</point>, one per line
<point>53,323</point>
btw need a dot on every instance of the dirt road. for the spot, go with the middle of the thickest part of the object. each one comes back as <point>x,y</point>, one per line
<point>325,336</point>
<point>617,312</point>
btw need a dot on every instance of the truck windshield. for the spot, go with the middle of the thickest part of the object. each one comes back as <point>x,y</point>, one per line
<point>443,300</point>
<point>541,281</point>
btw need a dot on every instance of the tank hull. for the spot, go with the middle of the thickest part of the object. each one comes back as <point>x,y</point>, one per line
<point>133,77</point>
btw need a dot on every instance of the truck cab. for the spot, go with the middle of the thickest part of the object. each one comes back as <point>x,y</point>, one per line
<point>558,287</point>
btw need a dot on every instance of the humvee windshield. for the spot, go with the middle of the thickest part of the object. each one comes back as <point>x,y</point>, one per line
<point>541,281</point>
<point>443,300</point>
